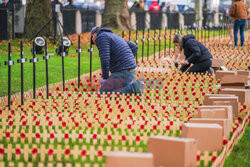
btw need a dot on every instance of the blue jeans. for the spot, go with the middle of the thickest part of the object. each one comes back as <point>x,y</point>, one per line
<point>239,24</point>
<point>120,82</point>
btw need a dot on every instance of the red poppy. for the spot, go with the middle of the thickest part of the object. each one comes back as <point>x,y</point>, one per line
<point>154,127</point>
<point>7,134</point>
<point>80,136</point>
<point>50,123</point>
<point>37,135</point>
<point>198,158</point>
<point>118,116</point>
<point>129,126</point>
<point>142,127</point>
<point>225,142</point>
<point>67,151</point>
<point>34,150</point>
<point>123,137</point>
<point>77,124</point>
<point>89,124</point>
<point>171,123</point>
<point>63,124</point>
<point>84,152</point>
<point>66,135</point>
<point>109,137</point>
<point>115,125</point>
<point>52,136</point>
<point>137,138</point>
<point>213,158</point>
<point>22,135</point>
<point>1,151</point>
<point>94,136</point>
<point>99,153</point>
<point>37,123</point>
<point>50,151</point>
<point>10,123</point>
<point>18,151</point>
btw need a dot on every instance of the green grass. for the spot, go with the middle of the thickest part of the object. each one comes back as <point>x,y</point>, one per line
<point>55,67</point>
<point>240,155</point>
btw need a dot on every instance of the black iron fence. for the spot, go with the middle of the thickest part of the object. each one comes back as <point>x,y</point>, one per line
<point>12,20</point>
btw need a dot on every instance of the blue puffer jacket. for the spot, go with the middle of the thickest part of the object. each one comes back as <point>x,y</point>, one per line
<point>194,51</point>
<point>116,54</point>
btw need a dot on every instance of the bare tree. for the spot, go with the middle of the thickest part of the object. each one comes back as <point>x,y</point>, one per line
<point>116,15</point>
<point>38,12</point>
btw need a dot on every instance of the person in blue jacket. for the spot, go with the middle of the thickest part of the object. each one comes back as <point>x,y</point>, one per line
<point>117,56</point>
<point>195,53</point>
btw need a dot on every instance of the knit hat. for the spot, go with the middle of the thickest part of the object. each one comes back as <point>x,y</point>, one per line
<point>177,38</point>
<point>93,31</point>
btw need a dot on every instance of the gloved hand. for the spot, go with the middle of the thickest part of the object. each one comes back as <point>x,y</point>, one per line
<point>101,81</point>
<point>176,64</point>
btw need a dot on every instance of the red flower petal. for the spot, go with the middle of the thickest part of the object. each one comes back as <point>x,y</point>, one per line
<point>67,151</point>
<point>18,151</point>
<point>1,151</point>
<point>50,151</point>
<point>34,151</point>
<point>84,152</point>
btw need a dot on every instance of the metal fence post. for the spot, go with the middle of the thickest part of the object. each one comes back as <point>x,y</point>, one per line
<point>21,61</point>
<point>46,58</point>
<point>9,63</point>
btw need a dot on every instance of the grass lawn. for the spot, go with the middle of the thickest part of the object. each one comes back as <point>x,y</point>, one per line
<point>55,68</point>
<point>240,155</point>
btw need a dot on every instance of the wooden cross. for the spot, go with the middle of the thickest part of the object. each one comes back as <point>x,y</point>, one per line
<point>42,151</point>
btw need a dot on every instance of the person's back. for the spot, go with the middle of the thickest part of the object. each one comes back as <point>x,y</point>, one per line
<point>117,55</point>
<point>238,10</point>
<point>115,50</point>
<point>194,50</point>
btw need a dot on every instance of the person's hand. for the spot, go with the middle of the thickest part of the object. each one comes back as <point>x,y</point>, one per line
<point>185,62</point>
<point>176,64</point>
<point>101,81</point>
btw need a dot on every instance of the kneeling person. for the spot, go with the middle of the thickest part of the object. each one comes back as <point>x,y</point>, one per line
<point>195,53</point>
<point>117,55</point>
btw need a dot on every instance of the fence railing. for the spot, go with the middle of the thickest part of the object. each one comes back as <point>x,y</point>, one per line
<point>76,20</point>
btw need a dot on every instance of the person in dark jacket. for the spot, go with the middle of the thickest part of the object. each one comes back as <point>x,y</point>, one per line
<point>117,56</point>
<point>195,53</point>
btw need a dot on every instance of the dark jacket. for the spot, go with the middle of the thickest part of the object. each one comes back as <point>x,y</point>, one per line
<point>194,51</point>
<point>116,53</point>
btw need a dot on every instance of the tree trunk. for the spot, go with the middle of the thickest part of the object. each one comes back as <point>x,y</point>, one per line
<point>37,14</point>
<point>116,15</point>
<point>198,11</point>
